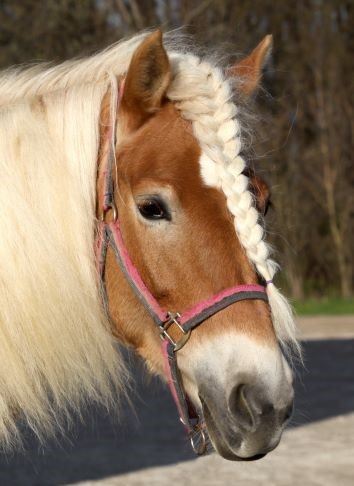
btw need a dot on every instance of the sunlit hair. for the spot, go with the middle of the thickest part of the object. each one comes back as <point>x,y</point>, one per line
<point>204,95</point>
<point>56,348</point>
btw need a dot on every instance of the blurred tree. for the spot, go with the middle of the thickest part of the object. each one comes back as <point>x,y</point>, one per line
<point>51,30</point>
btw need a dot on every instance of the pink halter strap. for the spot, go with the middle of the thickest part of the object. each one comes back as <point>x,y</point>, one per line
<point>109,234</point>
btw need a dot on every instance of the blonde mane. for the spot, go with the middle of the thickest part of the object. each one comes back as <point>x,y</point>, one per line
<point>56,349</point>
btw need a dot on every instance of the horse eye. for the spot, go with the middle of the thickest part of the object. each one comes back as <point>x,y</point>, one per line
<point>153,209</point>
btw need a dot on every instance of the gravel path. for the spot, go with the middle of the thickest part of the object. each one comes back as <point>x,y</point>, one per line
<point>148,447</point>
<point>313,455</point>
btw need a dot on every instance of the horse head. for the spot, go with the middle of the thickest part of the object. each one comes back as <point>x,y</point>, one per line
<point>190,217</point>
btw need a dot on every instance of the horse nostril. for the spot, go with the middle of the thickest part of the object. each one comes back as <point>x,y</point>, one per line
<point>251,407</point>
<point>239,406</point>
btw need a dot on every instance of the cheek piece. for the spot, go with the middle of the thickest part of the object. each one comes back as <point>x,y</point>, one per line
<point>109,234</point>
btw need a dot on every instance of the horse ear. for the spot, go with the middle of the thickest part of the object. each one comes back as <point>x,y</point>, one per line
<point>260,189</point>
<point>146,82</point>
<point>249,69</point>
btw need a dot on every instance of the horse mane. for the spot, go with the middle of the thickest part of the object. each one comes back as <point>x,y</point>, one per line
<point>56,348</point>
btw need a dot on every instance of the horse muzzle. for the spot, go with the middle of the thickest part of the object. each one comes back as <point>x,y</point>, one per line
<point>247,423</point>
<point>245,392</point>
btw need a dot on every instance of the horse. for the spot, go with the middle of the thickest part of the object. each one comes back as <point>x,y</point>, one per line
<point>130,215</point>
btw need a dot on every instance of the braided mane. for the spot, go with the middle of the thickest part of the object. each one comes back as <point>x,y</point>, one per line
<point>204,96</point>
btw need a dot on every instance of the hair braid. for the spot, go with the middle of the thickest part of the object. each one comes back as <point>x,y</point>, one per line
<point>204,96</point>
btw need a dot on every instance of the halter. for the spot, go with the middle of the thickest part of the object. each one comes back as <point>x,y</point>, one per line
<point>109,235</point>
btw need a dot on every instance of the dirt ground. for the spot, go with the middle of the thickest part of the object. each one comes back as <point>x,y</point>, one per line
<point>317,454</point>
<point>148,447</point>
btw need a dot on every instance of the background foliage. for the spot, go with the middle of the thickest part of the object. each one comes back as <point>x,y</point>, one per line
<point>306,124</point>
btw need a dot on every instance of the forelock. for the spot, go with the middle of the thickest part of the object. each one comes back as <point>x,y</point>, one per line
<point>204,95</point>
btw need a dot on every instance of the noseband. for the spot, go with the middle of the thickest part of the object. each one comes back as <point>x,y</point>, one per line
<point>109,235</point>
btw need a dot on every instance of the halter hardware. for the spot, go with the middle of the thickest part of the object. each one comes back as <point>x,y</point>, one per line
<point>173,318</point>
<point>198,440</point>
<point>112,207</point>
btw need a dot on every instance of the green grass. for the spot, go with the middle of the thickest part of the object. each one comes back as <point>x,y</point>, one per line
<point>325,306</point>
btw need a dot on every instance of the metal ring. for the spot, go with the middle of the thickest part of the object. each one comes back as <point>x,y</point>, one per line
<point>112,207</point>
<point>199,449</point>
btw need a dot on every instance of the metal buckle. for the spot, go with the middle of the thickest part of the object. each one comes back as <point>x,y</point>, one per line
<point>173,319</point>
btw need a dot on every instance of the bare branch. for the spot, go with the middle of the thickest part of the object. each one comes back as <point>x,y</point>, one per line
<point>139,21</point>
<point>195,12</point>
<point>127,18</point>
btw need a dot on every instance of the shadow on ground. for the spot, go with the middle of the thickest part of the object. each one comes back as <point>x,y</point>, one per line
<point>152,435</point>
